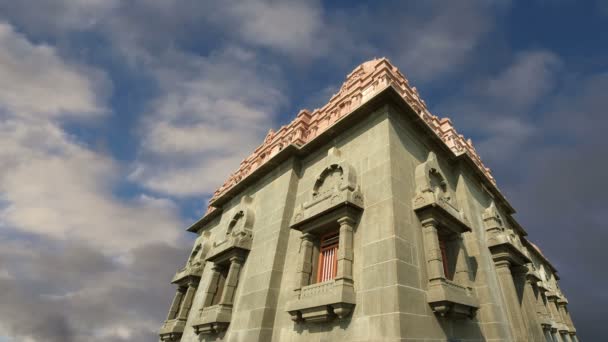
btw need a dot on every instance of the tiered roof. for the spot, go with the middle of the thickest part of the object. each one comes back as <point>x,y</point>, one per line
<point>361,85</point>
<point>365,81</point>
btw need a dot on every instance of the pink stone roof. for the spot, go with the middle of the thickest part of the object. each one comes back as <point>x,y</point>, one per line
<point>536,248</point>
<point>361,84</point>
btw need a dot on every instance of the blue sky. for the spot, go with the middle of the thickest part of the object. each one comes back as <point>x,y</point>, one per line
<point>118,119</point>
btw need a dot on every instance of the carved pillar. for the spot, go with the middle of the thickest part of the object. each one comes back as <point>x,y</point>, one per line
<point>177,300</point>
<point>345,249</point>
<point>461,274</point>
<point>518,327</point>
<point>552,298</point>
<point>212,287</point>
<point>187,302</point>
<point>236,263</point>
<point>565,315</point>
<point>541,309</point>
<point>535,327</point>
<point>305,263</point>
<point>434,260</point>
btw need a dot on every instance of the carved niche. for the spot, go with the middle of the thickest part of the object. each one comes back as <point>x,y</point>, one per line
<point>336,185</point>
<point>435,205</point>
<point>503,243</point>
<point>335,203</point>
<point>187,279</point>
<point>239,232</point>
<point>228,258</point>
<point>434,198</point>
<point>196,261</point>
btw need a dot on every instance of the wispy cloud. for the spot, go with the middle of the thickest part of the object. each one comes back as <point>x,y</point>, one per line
<point>84,229</point>
<point>36,82</point>
<point>498,108</point>
<point>69,244</point>
<point>211,114</point>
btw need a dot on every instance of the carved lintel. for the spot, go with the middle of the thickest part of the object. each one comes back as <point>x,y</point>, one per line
<point>323,302</point>
<point>335,187</point>
<point>449,299</point>
<point>172,330</point>
<point>239,232</point>
<point>435,200</point>
<point>213,319</point>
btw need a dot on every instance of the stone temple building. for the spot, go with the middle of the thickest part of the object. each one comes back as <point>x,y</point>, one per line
<point>369,219</point>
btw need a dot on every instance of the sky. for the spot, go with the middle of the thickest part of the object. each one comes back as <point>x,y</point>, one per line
<point>118,120</point>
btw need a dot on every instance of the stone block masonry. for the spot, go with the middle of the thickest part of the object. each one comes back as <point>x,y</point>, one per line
<point>369,219</point>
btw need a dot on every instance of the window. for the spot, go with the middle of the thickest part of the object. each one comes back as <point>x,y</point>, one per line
<point>443,223</point>
<point>449,248</point>
<point>221,281</point>
<point>328,257</point>
<point>324,275</point>
<point>444,258</point>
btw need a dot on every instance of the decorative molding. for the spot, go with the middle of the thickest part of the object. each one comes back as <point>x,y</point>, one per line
<point>239,232</point>
<point>503,243</point>
<point>335,200</point>
<point>434,200</point>
<point>213,319</point>
<point>196,262</point>
<point>360,86</point>
<point>435,205</point>
<point>187,279</point>
<point>335,186</point>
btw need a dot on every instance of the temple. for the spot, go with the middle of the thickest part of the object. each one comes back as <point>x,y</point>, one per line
<point>369,219</point>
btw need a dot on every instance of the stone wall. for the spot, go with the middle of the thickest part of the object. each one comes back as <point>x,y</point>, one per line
<point>399,293</point>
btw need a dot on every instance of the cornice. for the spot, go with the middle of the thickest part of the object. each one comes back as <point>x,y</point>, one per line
<point>362,86</point>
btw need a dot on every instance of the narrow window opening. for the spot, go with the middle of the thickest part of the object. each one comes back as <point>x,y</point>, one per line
<point>444,258</point>
<point>221,281</point>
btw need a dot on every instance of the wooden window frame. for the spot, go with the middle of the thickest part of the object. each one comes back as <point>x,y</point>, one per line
<point>322,275</point>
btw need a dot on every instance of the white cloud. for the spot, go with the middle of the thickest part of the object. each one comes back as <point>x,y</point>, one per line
<point>437,37</point>
<point>295,27</point>
<point>531,76</point>
<point>497,108</point>
<point>55,187</point>
<point>51,184</point>
<point>35,81</point>
<point>58,16</point>
<point>214,111</point>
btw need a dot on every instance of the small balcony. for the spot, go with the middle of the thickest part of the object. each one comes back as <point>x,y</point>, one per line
<point>322,302</point>
<point>237,240</point>
<point>451,300</point>
<point>506,246</point>
<point>193,270</point>
<point>213,319</point>
<point>172,330</point>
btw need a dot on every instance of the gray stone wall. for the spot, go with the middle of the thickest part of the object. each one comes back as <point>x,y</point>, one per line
<point>389,273</point>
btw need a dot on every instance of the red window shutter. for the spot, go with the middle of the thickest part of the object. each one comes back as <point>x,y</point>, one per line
<point>328,257</point>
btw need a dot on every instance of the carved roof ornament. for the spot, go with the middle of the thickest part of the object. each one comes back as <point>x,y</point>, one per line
<point>361,85</point>
<point>434,201</point>
<point>196,261</point>
<point>492,220</point>
<point>503,243</point>
<point>239,231</point>
<point>432,188</point>
<point>335,185</point>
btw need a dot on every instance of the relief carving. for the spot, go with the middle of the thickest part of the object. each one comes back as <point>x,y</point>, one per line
<point>335,185</point>
<point>239,231</point>
<point>502,241</point>
<point>432,189</point>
